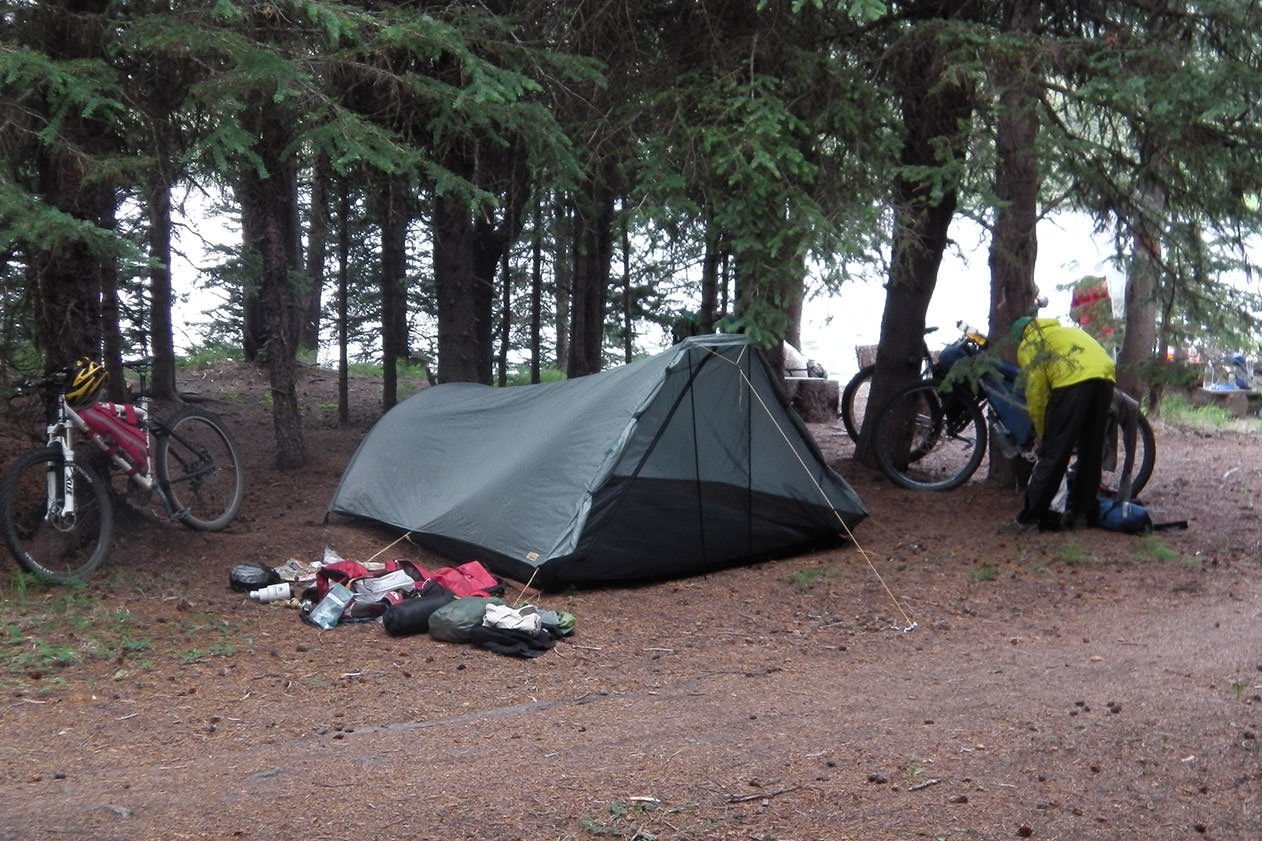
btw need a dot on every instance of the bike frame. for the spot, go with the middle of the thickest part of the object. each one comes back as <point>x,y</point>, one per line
<point>989,379</point>
<point>61,434</point>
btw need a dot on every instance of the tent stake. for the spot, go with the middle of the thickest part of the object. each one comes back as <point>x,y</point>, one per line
<point>522,594</point>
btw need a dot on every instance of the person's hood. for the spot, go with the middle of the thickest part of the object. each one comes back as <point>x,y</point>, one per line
<point>1018,326</point>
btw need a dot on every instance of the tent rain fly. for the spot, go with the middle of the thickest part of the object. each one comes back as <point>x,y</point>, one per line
<point>673,465</point>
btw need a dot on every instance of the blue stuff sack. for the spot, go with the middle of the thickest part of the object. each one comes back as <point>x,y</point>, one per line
<point>1128,517</point>
<point>1010,407</point>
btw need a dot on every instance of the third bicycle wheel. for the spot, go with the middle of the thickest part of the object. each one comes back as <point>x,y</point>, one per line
<point>199,467</point>
<point>854,401</point>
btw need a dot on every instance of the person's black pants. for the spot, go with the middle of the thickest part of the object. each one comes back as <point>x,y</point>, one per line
<point>1077,419</point>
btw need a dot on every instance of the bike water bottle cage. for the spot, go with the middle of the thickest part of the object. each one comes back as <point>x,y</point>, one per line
<point>86,378</point>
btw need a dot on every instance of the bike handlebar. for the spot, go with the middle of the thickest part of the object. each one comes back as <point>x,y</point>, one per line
<point>50,382</point>
<point>56,380</point>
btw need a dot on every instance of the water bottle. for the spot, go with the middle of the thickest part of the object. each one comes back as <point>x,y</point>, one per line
<point>329,611</point>
<point>272,593</point>
<point>1003,438</point>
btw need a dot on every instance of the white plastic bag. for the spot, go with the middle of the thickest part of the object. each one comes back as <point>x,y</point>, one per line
<point>1061,501</point>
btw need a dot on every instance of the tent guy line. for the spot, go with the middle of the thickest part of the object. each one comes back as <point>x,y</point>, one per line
<point>909,624</point>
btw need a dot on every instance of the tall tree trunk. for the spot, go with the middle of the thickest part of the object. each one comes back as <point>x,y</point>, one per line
<point>593,255</point>
<point>1165,295</point>
<point>317,251</point>
<point>487,248</point>
<point>71,278</point>
<point>394,325</point>
<point>506,317</point>
<point>343,306</point>
<point>935,111</point>
<point>1140,337</point>
<point>793,334</point>
<point>711,264</point>
<point>454,288</point>
<point>270,200</point>
<point>468,244</point>
<point>727,287</point>
<point>1149,214</point>
<point>253,319</point>
<point>919,241</point>
<point>111,330</point>
<point>466,254</point>
<point>161,334</point>
<point>536,292</point>
<point>628,320</point>
<point>1014,246</point>
<point>563,280</point>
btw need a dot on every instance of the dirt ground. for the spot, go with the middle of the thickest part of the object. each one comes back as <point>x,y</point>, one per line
<point>1084,685</point>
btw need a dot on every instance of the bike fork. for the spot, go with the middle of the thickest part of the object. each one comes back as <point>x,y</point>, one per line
<point>61,488</point>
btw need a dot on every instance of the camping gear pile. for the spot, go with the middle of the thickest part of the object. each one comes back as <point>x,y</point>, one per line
<point>674,465</point>
<point>453,604</point>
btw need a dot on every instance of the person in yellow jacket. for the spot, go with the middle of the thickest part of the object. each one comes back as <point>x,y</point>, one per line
<point>1069,379</point>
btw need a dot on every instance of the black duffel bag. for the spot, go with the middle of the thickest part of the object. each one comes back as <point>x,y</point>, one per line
<point>411,616</point>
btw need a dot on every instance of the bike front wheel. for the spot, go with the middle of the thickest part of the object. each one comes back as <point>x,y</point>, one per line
<point>927,440</point>
<point>44,539</point>
<point>200,470</point>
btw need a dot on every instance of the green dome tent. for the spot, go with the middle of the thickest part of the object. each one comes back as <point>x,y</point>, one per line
<point>673,465</point>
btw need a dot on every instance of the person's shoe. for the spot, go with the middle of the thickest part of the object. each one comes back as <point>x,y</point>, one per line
<point>1017,527</point>
<point>1058,522</point>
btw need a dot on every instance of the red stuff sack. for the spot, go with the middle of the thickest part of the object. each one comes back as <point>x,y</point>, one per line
<point>116,423</point>
<point>470,579</point>
<point>340,572</point>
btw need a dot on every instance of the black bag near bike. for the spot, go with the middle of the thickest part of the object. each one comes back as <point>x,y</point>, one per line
<point>243,578</point>
<point>411,616</point>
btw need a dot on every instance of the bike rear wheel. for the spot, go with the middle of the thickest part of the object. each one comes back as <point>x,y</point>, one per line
<point>1144,461</point>
<point>927,440</point>
<point>44,541</point>
<point>854,401</point>
<point>200,470</point>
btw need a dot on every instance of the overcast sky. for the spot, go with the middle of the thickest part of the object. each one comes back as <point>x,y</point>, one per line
<point>831,328</point>
<point>1067,253</point>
